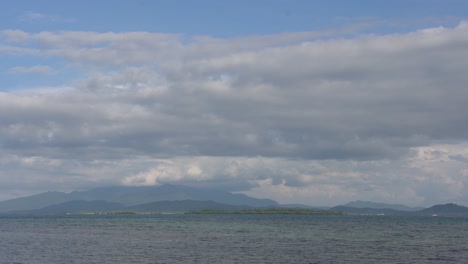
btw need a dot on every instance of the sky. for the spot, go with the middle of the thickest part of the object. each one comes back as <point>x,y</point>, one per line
<point>312,102</point>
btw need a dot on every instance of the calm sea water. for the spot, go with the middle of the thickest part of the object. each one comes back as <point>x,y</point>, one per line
<point>232,239</point>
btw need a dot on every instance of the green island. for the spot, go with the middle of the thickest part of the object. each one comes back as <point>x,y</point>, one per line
<point>290,211</point>
<point>118,213</point>
<point>268,211</point>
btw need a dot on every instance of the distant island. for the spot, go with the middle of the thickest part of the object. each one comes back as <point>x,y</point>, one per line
<point>449,209</point>
<point>269,211</point>
<point>167,198</point>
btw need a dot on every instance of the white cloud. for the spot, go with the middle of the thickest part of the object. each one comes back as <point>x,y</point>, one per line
<point>32,16</point>
<point>328,120</point>
<point>37,17</point>
<point>37,69</point>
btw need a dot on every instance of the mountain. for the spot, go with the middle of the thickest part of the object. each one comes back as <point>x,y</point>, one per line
<point>147,194</point>
<point>78,206</point>
<point>34,202</point>
<point>372,205</point>
<point>130,196</point>
<point>446,209</point>
<point>356,210</point>
<point>441,209</point>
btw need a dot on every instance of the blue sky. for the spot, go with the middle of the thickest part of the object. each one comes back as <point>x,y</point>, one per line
<point>224,18</point>
<point>317,102</point>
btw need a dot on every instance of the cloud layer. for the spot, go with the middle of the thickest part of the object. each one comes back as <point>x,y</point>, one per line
<point>323,117</point>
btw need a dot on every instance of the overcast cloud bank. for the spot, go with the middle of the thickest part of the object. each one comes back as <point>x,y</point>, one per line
<point>292,117</point>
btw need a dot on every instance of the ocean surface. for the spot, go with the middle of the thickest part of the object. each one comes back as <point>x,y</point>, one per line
<point>232,239</point>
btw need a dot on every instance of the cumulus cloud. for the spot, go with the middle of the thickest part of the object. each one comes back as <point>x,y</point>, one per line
<point>282,114</point>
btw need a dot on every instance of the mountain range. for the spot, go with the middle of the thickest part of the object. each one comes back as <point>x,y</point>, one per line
<point>132,196</point>
<point>449,209</point>
<point>176,198</point>
<point>80,206</point>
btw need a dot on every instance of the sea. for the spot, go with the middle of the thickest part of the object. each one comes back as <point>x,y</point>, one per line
<point>187,238</point>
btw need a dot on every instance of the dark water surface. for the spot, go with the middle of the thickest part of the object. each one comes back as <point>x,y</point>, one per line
<point>232,239</point>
